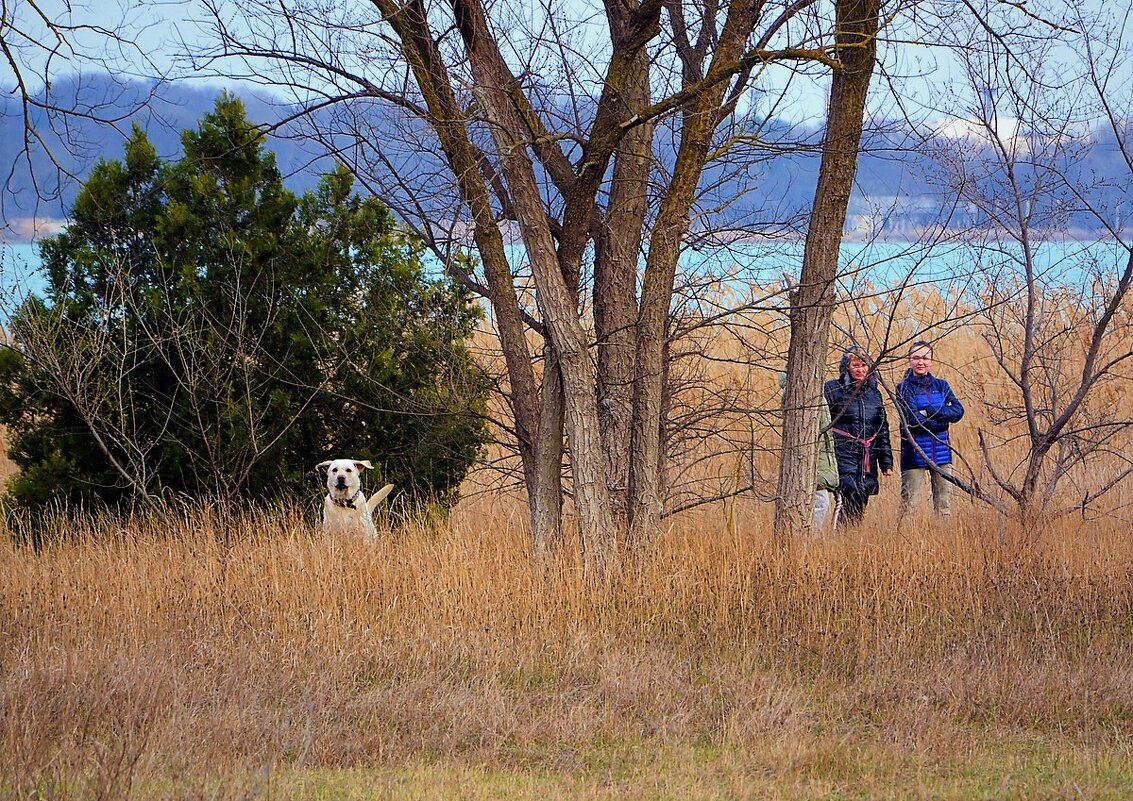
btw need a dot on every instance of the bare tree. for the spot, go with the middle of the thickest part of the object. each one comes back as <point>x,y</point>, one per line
<point>1053,309</point>
<point>93,364</point>
<point>588,136</point>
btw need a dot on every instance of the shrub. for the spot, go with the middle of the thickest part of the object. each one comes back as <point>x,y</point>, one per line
<point>205,332</point>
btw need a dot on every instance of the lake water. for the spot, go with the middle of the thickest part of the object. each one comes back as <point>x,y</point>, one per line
<point>944,265</point>
<point>941,264</point>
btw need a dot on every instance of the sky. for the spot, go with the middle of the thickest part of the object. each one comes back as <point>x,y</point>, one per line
<point>154,31</point>
<point>925,78</point>
<point>147,36</point>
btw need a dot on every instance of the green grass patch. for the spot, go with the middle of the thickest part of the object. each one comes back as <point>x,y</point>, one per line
<point>832,768</point>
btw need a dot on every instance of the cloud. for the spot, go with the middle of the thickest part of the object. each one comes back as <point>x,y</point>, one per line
<point>1006,128</point>
<point>1002,129</point>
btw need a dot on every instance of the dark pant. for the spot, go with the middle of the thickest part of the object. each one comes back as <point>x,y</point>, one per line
<point>853,507</point>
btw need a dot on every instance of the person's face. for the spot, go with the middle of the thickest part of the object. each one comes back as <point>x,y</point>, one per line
<point>858,368</point>
<point>920,361</point>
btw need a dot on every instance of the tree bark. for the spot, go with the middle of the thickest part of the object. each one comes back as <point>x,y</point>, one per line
<point>700,122</point>
<point>558,301</point>
<point>410,22</point>
<point>617,250</point>
<point>545,498</point>
<point>812,303</point>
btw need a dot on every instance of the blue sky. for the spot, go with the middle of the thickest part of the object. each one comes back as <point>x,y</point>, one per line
<point>925,77</point>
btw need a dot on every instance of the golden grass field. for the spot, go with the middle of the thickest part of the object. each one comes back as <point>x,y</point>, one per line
<point>248,658</point>
<point>245,657</point>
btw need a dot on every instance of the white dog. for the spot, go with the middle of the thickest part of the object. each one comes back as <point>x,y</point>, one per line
<point>345,509</point>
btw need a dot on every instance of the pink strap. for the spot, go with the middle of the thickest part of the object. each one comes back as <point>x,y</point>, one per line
<point>867,445</point>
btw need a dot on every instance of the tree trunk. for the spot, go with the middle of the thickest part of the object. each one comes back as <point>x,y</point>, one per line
<point>700,122</point>
<point>617,250</point>
<point>812,303</point>
<point>545,495</point>
<point>558,301</point>
<point>810,327</point>
<point>410,22</point>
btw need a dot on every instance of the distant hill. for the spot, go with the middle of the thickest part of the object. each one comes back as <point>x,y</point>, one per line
<point>894,192</point>
<point>44,185</point>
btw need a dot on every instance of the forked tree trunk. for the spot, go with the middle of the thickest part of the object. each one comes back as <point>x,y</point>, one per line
<point>558,300</point>
<point>411,25</point>
<point>617,251</point>
<point>700,122</point>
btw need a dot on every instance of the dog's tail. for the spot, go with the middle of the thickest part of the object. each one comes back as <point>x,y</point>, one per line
<point>378,497</point>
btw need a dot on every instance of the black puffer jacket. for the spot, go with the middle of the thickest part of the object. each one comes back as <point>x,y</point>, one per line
<point>860,427</point>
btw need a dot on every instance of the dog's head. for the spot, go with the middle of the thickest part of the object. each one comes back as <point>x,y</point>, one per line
<point>344,476</point>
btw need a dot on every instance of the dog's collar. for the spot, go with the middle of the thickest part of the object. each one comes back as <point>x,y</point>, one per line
<point>346,503</point>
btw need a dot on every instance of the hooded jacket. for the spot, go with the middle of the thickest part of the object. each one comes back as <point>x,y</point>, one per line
<point>927,407</point>
<point>826,466</point>
<point>860,428</point>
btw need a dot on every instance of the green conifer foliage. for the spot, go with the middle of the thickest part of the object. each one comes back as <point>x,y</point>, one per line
<point>207,333</point>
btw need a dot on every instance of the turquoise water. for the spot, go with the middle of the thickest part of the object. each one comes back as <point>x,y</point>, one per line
<point>944,265</point>
<point>954,265</point>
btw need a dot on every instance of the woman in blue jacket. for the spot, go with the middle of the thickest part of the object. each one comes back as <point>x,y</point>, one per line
<point>861,432</point>
<point>927,407</point>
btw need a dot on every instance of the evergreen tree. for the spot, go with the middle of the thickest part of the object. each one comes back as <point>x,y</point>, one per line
<point>206,332</point>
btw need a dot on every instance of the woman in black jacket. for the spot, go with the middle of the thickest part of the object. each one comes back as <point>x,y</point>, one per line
<point>861,432</point>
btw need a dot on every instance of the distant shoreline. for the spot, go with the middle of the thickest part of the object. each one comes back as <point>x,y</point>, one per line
<point>28,230</point>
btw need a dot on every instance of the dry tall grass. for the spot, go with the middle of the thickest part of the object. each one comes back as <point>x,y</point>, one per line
<point>198,660</point>
<point>724,409</point>
<point>210,658</point>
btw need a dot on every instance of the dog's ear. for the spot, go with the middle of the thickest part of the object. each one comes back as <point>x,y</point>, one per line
<point>362,464</point>
<point>323,465</point>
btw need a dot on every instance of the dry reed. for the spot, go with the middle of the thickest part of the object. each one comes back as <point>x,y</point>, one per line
<point>205,658</point>
<point>140,660</point>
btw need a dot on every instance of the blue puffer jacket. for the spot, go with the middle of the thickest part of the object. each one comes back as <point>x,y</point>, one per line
<point>927,407</point>
<point>860,428</point>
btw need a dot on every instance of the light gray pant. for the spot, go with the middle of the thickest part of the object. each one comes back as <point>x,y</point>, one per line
<point>821,510</point>
<point>912,488</point>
